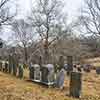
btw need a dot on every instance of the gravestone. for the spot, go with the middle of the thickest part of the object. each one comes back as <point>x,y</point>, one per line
<point>61,62</point>
<point>98,70</point>
<point>31,71</point>
<point>47,73</point>
<point>6,67</point>
<point>0,66</point>
<point>1,43</point>
<point>10,64</point>
<point>3,66</point>
<point>70,64</point>
<point>60,78</point>
<point>20,71</point>
<point>75,84</point>
<point>14,68</point>
<point>87,68</point>
<point>15,63</point>
<point>66,67</point>
<point>37,73</point>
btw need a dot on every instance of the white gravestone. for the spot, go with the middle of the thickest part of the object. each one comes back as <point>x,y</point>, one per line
<point>60,78</point>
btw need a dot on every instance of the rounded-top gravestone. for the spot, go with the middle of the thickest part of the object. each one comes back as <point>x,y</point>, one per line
<point>66,67</point>
<point>35,73</point>
<point>48,74</point>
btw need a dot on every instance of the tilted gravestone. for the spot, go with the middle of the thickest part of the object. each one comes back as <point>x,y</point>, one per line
<point>75,84</point>
<point>47,74</point>
<point>20,71</point>
<point>98,70</point>
<point>60,79</point>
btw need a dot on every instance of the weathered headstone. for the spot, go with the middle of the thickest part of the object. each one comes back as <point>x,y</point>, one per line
<point>15,64</point>
<point>3,66</point>
<point>75,84</point>
<point>10,63</point>
<point>37,73</point>
<point>98,70</point>
<point>66,67</point>
<point>60,78</point>
<point>1,43</point>
<point>31,72</point>
<point>20,71</point>
<point>14,69</point>
<point>87,68</point>
<point>61,62</point>
<point>70,63</point>
<point>0,66</point>
<point>6,67</point>
<point>48,74</point>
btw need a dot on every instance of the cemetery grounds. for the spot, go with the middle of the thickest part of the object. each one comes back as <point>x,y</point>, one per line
<point>12,88</point>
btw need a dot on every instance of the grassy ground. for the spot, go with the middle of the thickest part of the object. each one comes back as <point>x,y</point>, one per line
<point>12,88</point>
<point>93,61</point>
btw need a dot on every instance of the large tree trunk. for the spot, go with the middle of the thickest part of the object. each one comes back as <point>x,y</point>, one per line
<point>46,52</point>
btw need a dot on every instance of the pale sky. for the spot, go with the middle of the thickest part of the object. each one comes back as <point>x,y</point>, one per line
<point>24,6</point>
<point>71,7</point>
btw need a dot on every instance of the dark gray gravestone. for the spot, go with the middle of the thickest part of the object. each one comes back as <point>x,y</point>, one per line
<point>15,64</point>
<point>60,78</point>
<point>10,63</point>
<point>75,84</point>
<point>31,71</point>
<point>1,43</point>
<point>70,63</point>
<point>61,62</point>
<point>98,70</point>
<point>20,71</point>
<point>87,68</point>
<point>47,74</point>
<point>0,66</point>
<point>6,67</point>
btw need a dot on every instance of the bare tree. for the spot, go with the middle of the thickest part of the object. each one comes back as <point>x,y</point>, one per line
<point>46,19</point>
<point>5,13</point>
<point>90,17</point>
<point>23,36</point>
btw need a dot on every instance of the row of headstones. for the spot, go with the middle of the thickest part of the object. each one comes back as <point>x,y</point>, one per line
<point>11,68</point>
<point>88,68</point>
<point>45,74</point>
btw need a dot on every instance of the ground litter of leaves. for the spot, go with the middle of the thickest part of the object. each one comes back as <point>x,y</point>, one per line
<point>12,88</point>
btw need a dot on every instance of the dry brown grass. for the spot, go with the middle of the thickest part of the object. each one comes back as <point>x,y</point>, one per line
<point>93,61</point>
<point>12,88</point>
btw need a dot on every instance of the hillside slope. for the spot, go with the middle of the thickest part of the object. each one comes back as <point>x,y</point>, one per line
<point>12,88</point>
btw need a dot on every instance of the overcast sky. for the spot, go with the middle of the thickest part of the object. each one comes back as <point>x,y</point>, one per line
<point>71,7</point>
<point>24,6</point>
